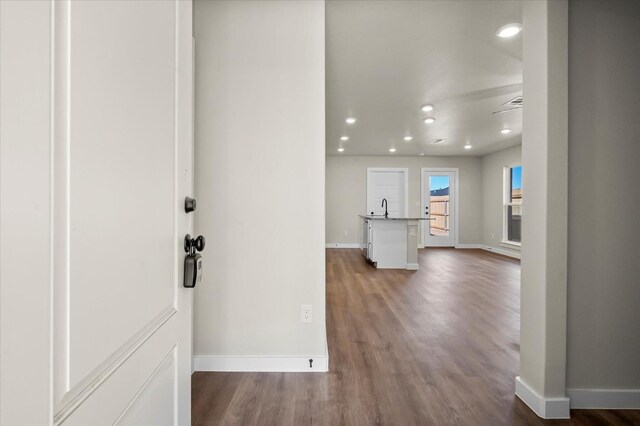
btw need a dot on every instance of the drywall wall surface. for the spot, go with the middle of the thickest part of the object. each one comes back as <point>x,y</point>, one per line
<point>603,338</point>
<point>347,193</point>
<point>260,164</point>
<point>544,183</point>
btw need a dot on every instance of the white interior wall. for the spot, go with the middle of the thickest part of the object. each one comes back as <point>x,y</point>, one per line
<point>346,193</point>
<point>603,341</point>
<point>543,284</point>
<point>492,199</point>
<point>260,180</point>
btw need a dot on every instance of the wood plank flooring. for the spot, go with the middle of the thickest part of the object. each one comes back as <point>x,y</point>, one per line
<point>438,346</point>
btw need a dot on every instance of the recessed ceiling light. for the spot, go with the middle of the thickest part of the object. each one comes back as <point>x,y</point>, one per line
<point>509,30</point>
<point>429,120</point>
<point>467,147</point>
<point>344,138</point>
<point>392,150</point>
<point>427,107</point>
<point>340,149</point>
<point>437,141</point>
<point>350,120</point>
<point>505,131</point>
<point>408,138</point>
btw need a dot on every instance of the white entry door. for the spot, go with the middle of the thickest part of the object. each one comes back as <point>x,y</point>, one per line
<point>439,197</point>
<point>111,126</point>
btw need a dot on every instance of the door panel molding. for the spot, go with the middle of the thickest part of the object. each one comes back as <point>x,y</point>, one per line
<point>123,150</point>
<point>114,395</point>
<point>76,396</point>
<point>141,402</point>
<point>61,187</point>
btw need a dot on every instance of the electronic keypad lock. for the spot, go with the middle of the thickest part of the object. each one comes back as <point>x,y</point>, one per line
<point>193,260</point>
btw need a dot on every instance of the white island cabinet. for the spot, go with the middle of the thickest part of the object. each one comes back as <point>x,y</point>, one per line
<point>390,243</point>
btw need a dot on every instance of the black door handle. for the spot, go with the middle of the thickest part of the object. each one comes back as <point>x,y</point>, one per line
<point>191,245</point>
<point>200,243</point>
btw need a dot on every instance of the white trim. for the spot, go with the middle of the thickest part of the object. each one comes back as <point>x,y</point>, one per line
<point>76,396</point>
<point>342,245</point>
<point>611,399</point>
<point>326,348</point>
<point>456,200</point>
<point>503,251</point>
<point>547,408</point>
<point>261,363</point>
<point>511,244</point>
<point>404,170</point>
<point>506,196</point>
<point>412,266</point>
<point>515,255</point>
<point>470,246</point>
<point>155,377</point>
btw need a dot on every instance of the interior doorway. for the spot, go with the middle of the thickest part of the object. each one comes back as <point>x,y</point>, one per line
<point>439,194</point>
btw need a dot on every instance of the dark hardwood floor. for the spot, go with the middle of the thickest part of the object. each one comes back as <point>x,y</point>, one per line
<point>434,347</point>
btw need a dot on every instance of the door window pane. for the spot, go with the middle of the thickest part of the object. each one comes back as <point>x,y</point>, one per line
<point>439,205</point>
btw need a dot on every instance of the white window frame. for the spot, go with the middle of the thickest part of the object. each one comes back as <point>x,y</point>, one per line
<point>506,203</point>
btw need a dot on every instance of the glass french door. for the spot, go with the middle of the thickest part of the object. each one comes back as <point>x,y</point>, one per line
<point>439,208</point>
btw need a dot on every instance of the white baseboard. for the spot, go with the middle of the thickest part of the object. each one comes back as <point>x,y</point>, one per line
<point>469,246</point>
<point>412,266</point>
<point>547,408</point>
<point>503,251</point>
<point>342,245</point>
<point>628,399</point>
<point>498,250</point>
<point>261,363</point>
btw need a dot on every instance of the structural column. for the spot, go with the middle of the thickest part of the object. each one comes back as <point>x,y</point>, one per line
<point>541,383</point>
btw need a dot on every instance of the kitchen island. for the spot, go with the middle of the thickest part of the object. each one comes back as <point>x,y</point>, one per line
<point>390,242</point>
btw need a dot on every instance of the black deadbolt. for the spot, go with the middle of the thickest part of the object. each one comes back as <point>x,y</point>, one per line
<point>189,204</point>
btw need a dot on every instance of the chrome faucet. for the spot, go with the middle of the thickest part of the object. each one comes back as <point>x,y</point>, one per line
<point>385,204</point>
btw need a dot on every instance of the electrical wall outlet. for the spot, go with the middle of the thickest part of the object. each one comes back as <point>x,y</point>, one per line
<point>306,313</point>
<point>346,233</point>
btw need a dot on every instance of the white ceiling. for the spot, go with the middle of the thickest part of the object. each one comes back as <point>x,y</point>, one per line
<point>385,59</point>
